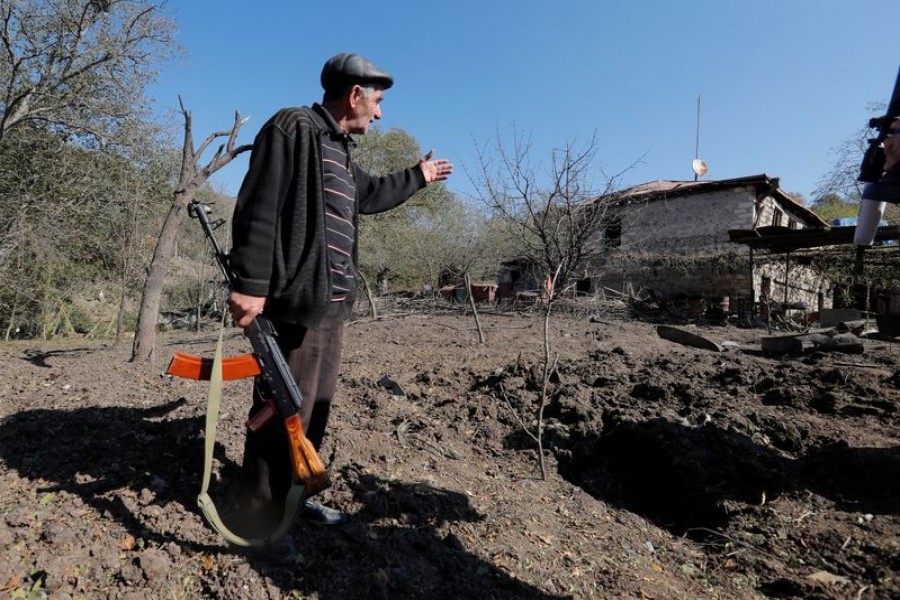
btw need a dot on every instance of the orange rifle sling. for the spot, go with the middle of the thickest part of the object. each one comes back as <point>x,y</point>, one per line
<point>191,366</point>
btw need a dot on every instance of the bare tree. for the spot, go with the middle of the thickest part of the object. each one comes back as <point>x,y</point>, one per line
<point>192,177</point>
<point>557,220</point>
<point>842,178</point>
<point>79,66</point>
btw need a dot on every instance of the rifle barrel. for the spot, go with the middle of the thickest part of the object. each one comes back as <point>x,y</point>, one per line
<point>200,211</point>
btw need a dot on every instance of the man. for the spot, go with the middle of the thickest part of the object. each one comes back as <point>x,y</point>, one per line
<point>876,194</point>
<point>294,255</point>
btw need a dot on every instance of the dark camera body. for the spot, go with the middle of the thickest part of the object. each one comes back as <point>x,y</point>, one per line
<point>882,123</point>
<point>873,163</point>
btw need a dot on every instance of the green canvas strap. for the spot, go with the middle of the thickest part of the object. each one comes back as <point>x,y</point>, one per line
<point>295,496</point>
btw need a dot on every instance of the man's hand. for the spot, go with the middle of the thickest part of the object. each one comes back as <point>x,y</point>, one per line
<point>245,308</point>
<point>435,170</point>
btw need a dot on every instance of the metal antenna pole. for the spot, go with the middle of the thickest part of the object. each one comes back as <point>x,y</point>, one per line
<point>697,142</point>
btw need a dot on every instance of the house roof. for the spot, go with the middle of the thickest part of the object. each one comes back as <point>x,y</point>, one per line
<point>660,189</point>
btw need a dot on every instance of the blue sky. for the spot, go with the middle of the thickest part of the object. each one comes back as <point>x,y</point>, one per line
<point>781,82</point>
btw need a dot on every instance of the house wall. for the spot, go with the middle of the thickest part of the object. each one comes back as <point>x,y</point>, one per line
<point>697,226</point>
<point>683,226</point>
<point>512,280</point>
<point>679,248</point>
<point>686,224</point>
<point>803,285</point>
<point>771,212</point>
<point>670,283</point>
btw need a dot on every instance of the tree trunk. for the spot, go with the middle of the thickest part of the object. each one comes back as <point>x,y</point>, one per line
<point>10,240</point>
<point>544,384</point>
<point>12,315</point>
<point>372,308</point>
<point>381,281</point>
<point>548,368</point>
<point>120,308</point>
<point>15,305</point>
<point>145,333</point>
<point>128,256</point>
<point>200,296</point>
<point>48,314</point>
<point>481,339</point>
<point>191,178</point>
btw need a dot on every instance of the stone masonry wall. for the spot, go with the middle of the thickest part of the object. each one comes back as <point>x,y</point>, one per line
<point>688,224</point>
<point>698,225</point>
<point>803,285</point>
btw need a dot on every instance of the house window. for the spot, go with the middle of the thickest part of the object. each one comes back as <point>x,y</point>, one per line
<point>776,218</point>
<point>612,233</point>
<point>792,224</point>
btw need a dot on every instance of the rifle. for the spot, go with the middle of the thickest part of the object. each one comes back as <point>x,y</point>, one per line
<point>268,363</point>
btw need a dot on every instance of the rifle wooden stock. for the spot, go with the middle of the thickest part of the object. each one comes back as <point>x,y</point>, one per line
<point>308,467</point>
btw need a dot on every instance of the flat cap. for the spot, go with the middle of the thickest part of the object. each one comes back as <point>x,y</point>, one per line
<point>345,69</point>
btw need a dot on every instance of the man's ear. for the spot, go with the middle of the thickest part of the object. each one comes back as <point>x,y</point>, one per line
<point>355,95</point>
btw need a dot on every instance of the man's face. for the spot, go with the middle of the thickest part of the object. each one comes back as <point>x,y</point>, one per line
<point>366,106</point>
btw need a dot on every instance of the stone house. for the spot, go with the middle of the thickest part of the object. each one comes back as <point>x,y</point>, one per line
<point>671,239</point>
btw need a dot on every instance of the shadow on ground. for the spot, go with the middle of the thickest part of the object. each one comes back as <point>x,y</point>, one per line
<point>406,542</point>
<point>121,461</point>
<point>107,454</point>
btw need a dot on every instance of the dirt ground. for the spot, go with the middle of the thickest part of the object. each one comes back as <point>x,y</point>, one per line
<point>671,472</point>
